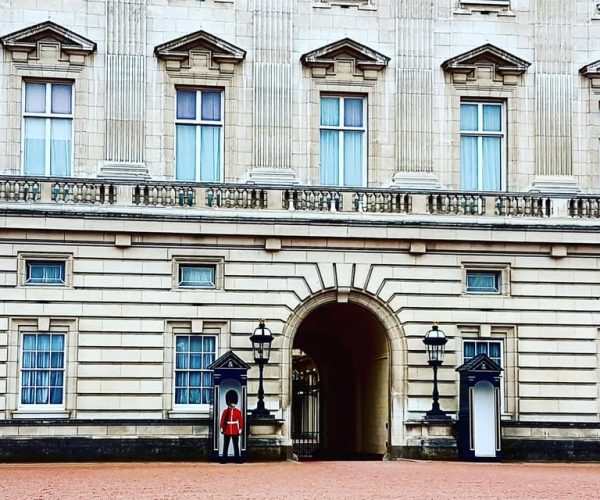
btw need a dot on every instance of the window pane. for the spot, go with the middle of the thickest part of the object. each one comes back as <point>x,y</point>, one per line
<point>41,396</point>
<point>210,154</point>
<point>185,169</point>
<point>27,378</point>
<point>330,111</point>
<point>195,379</point>
<point>43,342</point>
<point>487,282</point>
<point>186,105</point>
<point>492,116</point>
<point>353,158</point>
<point>182,343</point>
<point>181,361</point>
<point>468,163</point>
<point>195,396</point>
<point>209,344</point>
<point>35,146</point>
<point>27,396</point>
<point>495,351</point>
<point>60,147</point>
<point>469,350</point>
<point>491,163</point>
<point>181,396</point>
<point>207,396</point>
<point>196,344</point>
<point>56,360</point>
<point>28,360</point>
<point>468,117</point>
<point>330,153</point>
<point>35,97</point>
<point>202,276</point>
<point>195,361</point>
<point>61,99</point>
<point>29,341</point>
<point>58,342</point>
<point>181,379</point>
<point>46,273</point>
<point>56,395</point>
<point>56,378</point>
<point>482,347</point>
<point>353,112</point>
<point>211,105</point>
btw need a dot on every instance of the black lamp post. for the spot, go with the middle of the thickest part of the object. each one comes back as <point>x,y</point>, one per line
<point>435,341</point>
<point>261,346</point>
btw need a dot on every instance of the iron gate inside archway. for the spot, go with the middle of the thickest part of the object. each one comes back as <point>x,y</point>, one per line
<point>306,424</point>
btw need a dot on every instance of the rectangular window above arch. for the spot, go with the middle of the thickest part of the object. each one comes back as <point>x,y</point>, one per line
<point>199,135</point>
<point>47,132</point>
<point>343,141</point>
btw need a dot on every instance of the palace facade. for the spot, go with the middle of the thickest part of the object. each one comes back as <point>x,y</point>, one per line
<point>350,171</point>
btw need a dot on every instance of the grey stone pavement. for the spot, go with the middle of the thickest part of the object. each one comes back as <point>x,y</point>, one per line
<point>303,480</point>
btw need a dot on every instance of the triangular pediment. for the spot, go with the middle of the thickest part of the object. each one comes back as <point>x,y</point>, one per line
<point>480,363</point>
<point>28,39</point>
<point>229,361</point>
<point>222,54</point>
<point>345,48</point>
<point>591,70</point>
<point>503,64</point>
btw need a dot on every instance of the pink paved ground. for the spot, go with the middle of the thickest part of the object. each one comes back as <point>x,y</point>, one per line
<point>300,481</point>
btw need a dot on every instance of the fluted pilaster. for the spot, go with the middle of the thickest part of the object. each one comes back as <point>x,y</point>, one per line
<point>125,82</point>
<point>554,86</point>
<point>273,83</point>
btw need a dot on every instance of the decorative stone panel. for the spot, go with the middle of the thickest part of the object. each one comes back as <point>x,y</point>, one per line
<point>200,50</point>
<point>48,43</point>
<point>486,63</point>
<point>345,58</point>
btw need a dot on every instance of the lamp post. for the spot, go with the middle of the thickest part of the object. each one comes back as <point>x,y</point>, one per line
<point>435,340</point>
<point>261,346</point>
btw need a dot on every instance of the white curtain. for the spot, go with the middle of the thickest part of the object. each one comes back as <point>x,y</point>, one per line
<point>491,151</point>
<point>353,112</point>
<point>330,141</point>
<point>492,115</point>
<point>468,163</point>
<point>60,147</point>
<point>468,117</point>
<point>35,146</point>
<point>185,167</point>
<point>186,105</point>
<point>61,99</point>
<point>211,105</point>
<point>35,97</point>
<point>353,158</point>
<point>197,276</point>
<point>46,273</point>
<point>210,154</point>
<point>481,282</point>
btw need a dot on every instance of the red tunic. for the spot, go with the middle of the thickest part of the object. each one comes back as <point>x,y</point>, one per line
<point>232,422</point>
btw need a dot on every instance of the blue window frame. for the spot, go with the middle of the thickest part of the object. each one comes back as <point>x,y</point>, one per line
<point>193,381</point>
<point>42,369</point>
<point>45,272</point>
<point>493,348</point>
<point>484,282</point>
<point>199,135</point>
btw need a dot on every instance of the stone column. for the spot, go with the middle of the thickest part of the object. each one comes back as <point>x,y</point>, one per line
<point>272,72</point>
<point>125,89</point>
<point>414,83</point>
<point>554,95</point>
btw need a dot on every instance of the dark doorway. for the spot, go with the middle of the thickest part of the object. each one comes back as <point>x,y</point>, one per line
<point>349,352</point>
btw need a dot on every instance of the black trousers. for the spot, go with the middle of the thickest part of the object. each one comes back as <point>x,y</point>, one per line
<point>236,445</point>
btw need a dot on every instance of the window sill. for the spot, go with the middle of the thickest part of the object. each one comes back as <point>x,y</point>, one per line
<point>201,412</point>
<point>41,413</point>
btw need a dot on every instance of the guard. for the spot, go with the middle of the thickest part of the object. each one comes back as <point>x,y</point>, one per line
<point>232,425</point>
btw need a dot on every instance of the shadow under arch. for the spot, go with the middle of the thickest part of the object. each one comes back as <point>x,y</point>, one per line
<point>389,326</point>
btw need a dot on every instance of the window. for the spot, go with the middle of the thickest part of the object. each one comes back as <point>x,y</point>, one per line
<point>199,135</point>
<point>47,128</point>
<point>42,369</point>
<point>484,282</point>
<point>343,153</point>
<point>482,146</point>
<point>193,381</point>
<point>45,273</point>
<point>492,348</point>
<point>201,276</point>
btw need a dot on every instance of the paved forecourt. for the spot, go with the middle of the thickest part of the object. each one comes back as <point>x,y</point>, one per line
<point>295,481</point>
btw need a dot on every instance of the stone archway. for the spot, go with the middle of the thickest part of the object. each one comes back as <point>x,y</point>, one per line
<point>357,346</point>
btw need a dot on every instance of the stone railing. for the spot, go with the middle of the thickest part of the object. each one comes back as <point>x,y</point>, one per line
<point>196,196</point>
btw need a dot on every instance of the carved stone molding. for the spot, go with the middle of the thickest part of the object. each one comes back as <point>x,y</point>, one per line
<point>48,42</point>
<point>592,71</point>
<point>345,57</point>
<point>486,63</point>
<point>202,49</point>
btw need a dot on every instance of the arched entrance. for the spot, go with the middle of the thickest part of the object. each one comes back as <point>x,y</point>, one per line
<point>346,349</point>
